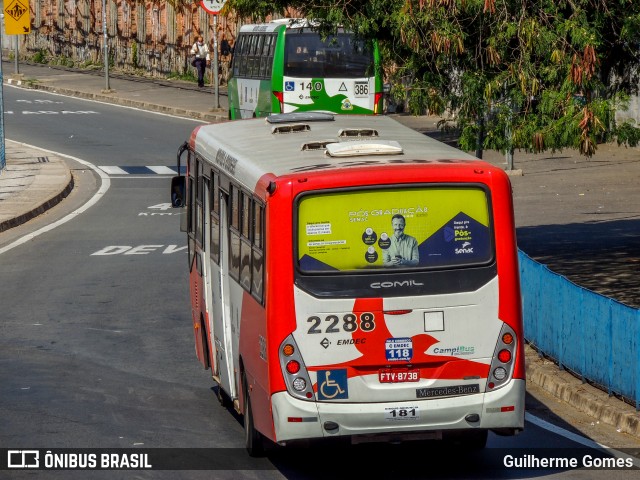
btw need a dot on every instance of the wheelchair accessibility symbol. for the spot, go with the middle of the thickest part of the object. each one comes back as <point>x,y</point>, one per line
<point>332,384</point>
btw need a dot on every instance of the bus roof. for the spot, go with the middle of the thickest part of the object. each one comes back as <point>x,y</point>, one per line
<point>252,148</point>
<point>275,25</point>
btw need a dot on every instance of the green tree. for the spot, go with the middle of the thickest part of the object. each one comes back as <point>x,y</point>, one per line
<point>508,74</point>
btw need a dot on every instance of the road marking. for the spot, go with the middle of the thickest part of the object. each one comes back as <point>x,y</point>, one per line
<point>18,84</point>
<point>587,442</point>
<point>105,183</point>
<point>62,112</point>
<point>112,170</point>
<point>144,170</point>
<point>139,250</point>
<point>162,170</point>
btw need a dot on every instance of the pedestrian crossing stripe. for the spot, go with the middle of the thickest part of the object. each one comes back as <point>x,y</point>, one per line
<point>146,170</point>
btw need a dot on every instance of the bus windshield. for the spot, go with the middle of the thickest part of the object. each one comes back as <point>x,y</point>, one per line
<point>382,229</point>
<point>338,56</point>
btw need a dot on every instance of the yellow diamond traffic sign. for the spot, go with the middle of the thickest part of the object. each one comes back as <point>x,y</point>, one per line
<point>17,18</point>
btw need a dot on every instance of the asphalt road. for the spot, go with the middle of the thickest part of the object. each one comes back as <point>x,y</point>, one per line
<point>96,345</point>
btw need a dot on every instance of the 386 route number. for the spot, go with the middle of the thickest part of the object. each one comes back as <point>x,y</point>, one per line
<point>350,323</point>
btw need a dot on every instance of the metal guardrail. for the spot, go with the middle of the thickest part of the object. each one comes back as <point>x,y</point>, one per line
<point>593,336</point>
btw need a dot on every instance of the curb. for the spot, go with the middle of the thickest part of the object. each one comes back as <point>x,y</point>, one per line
<point>52,202</point>
<point>564,386</point>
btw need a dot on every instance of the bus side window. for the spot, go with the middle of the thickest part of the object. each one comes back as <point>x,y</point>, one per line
<point>258,56</point>
<point>242,56</point>
<point>251,56</point>
<point>245,242</point>
<point>215,217</point>
<point>257,260</point>
<point>235,54</point>
<point>264,57</point>
<point>234,253</point>
<point>199,203</point>
<point>272,49</point>
<point>192,197</point>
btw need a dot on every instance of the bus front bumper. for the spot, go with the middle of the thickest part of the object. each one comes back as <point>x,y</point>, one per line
<point>501,410</point>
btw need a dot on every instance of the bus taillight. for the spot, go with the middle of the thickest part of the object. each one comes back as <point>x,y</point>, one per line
<point>280,97</point>
<point>377,102</point>
<point>502,364</point>
<point>504,356</point>
<point>294,371</point>
<point>288,350</point>
<point>293,367</point>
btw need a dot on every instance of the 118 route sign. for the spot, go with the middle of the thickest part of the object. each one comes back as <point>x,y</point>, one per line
<point>213,6</point>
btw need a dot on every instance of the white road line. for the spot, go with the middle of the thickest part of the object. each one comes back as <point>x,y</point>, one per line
<point>587,442</point>
<point>561,431</point>
<point>162,170</point>
<point>109,103</point>
<point>112,170</point>
<point>104,186</point>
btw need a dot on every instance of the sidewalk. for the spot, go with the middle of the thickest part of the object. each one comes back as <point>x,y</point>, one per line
<point>555,189</point>
<point>31,183</point>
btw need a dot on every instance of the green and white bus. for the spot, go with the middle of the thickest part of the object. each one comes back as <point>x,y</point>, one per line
<point>287,66</point>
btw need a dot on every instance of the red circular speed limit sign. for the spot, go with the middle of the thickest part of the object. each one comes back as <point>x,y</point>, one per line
<point>212,6</point>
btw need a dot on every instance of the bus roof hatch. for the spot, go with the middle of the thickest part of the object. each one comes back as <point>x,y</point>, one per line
<point>354,149</point>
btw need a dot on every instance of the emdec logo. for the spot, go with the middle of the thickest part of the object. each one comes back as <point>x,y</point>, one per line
<point>23,459</point>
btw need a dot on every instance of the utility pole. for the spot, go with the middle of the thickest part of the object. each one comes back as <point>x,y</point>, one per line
<point>215,60</point>
<point>3,161</point>
<point>106,45</point>
<point>213,7</point>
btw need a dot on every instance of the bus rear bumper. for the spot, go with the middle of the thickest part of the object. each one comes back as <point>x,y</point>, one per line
<point>501,410</point>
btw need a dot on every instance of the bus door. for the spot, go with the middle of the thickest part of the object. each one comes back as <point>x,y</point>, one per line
<point>222,305</point>
<point>196,259</point>
<point>208,271</point>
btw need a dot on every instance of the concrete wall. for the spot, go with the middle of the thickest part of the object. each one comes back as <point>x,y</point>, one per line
<point>633,113</point>
<point>143,36</point>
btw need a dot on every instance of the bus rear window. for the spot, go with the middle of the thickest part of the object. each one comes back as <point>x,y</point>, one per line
<point>339,56</point>
<point>398,228</point>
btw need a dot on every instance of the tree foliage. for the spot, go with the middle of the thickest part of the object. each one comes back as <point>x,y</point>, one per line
<point>551,73</point>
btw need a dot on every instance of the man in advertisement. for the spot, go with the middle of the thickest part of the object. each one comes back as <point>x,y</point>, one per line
<point>403,250</point>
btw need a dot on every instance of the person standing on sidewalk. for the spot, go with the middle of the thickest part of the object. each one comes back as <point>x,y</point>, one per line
<point>201,59</point>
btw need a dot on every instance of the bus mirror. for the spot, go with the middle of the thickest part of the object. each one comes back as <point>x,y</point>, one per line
<point>177,191</point>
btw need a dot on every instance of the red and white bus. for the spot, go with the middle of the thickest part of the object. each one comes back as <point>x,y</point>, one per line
<point>351,277</point>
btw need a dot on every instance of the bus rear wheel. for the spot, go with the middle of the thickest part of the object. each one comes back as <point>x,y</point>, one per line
<point>253,439</point>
